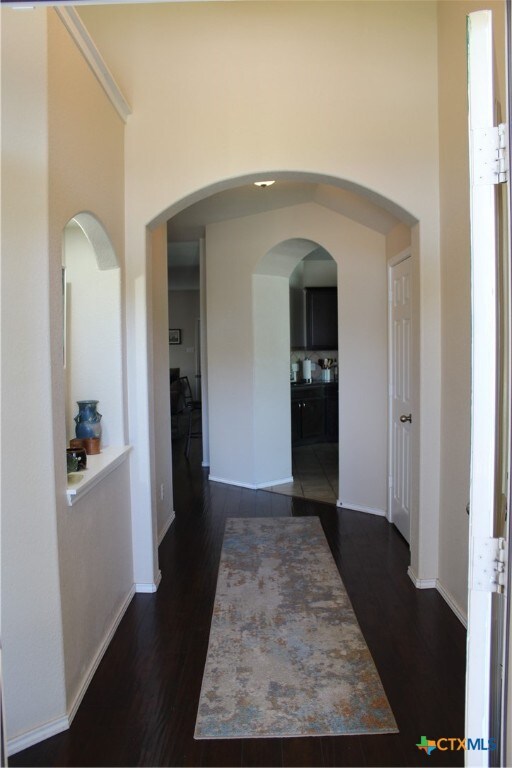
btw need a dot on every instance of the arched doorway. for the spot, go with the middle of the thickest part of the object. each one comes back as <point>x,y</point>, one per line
<point>280,277</point>
<point>237,227</point>
<point>313,344</point>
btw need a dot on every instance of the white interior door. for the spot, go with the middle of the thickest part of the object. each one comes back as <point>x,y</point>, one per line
<point>401,417</point>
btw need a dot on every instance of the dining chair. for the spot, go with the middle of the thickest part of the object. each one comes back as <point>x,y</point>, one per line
<point>192,407</point>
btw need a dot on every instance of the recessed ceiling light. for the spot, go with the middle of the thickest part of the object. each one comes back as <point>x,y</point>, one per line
<point>263,184</point>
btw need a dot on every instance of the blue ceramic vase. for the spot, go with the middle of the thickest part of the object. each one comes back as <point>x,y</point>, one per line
<point>87,420</point>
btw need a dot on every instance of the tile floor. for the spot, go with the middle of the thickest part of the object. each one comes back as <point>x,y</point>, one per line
<point>315,473</point>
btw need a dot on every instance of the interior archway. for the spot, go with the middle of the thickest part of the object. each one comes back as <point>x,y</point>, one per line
<point>360,211</point>
<point>275,422</point>
<point>374,199</point>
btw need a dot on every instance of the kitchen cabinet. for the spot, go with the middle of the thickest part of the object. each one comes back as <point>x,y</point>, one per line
<point>314,413</point>
<point>297,318</point>
<point>331,414</point>
<point>308,414</point>
<point>321,318</point>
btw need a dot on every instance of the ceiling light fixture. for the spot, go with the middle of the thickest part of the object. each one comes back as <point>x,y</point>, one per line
<point>264,184</point>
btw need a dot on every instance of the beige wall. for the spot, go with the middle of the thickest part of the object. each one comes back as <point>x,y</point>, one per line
<point>249,392</point>
<point>270,404</point>
<point>215,104</point>
<point>86,174</point>
<point>398,240</point>
<point>214,101</point>
<point>33,672</point>
<point>456,299</point>
<point>68,571</point>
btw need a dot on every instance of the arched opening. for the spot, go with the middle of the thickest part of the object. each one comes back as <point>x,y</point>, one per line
<point>92,333</point>
<point>292,274</point>
<point>250,242</point>
<point>238,229</point>
<point>314,350</point>
<point>237,191</point>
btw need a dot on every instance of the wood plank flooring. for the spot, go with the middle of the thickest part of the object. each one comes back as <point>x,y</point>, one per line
<point>141,706</point>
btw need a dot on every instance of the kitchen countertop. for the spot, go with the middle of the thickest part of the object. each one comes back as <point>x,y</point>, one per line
<point>315,383</point>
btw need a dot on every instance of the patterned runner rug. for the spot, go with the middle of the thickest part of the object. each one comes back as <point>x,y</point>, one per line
<point>286,655</point>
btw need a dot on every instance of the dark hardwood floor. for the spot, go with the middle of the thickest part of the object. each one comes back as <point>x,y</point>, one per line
<point>141,706</point>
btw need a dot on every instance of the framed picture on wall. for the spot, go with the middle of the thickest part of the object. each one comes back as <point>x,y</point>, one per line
<point>174,335</point>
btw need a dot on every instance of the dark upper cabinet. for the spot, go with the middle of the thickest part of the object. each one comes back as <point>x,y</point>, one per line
<point>297,318</point>
<point>321,318</point>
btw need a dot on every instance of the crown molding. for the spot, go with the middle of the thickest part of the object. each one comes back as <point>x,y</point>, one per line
<point>93,57</point>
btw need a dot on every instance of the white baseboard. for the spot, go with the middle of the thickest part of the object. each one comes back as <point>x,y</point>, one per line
<point>283,481</point>
<point>166,526</point>
<point>421,583</point>
<point>60,724</point>
<point>447,597</point>
<point>225,481</point>
<point>250,486</point>
<point>359,508</point>
<point>149,586</point>
<point>35,735</point>
<point>458,611</point>
<point>99,655</point>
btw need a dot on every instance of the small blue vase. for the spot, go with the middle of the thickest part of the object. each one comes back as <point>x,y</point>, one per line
<point>87,420</point>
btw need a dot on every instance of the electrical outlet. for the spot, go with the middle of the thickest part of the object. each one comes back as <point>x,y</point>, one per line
<point>162,492</point>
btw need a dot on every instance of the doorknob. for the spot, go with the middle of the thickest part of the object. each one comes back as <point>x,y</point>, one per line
<point>408,418</point>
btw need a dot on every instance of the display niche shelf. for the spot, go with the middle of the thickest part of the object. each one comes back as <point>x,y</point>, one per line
<point>98,466</point>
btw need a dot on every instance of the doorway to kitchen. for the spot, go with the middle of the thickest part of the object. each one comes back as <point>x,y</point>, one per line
<point>251,246</point>
<point>314,379</point>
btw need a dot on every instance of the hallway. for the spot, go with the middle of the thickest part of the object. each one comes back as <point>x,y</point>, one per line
<point>141,706</point>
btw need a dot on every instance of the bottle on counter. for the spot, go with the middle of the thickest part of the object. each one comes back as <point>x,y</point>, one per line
<point>306,370</point>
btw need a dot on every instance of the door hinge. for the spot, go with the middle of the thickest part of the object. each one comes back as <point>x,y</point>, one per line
<point>490,565</point>
<point>489,155</point>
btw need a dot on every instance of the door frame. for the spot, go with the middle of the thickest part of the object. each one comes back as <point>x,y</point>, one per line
<point>485,411</point>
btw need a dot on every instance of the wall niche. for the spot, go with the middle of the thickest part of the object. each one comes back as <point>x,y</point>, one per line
<point>92,333</point>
